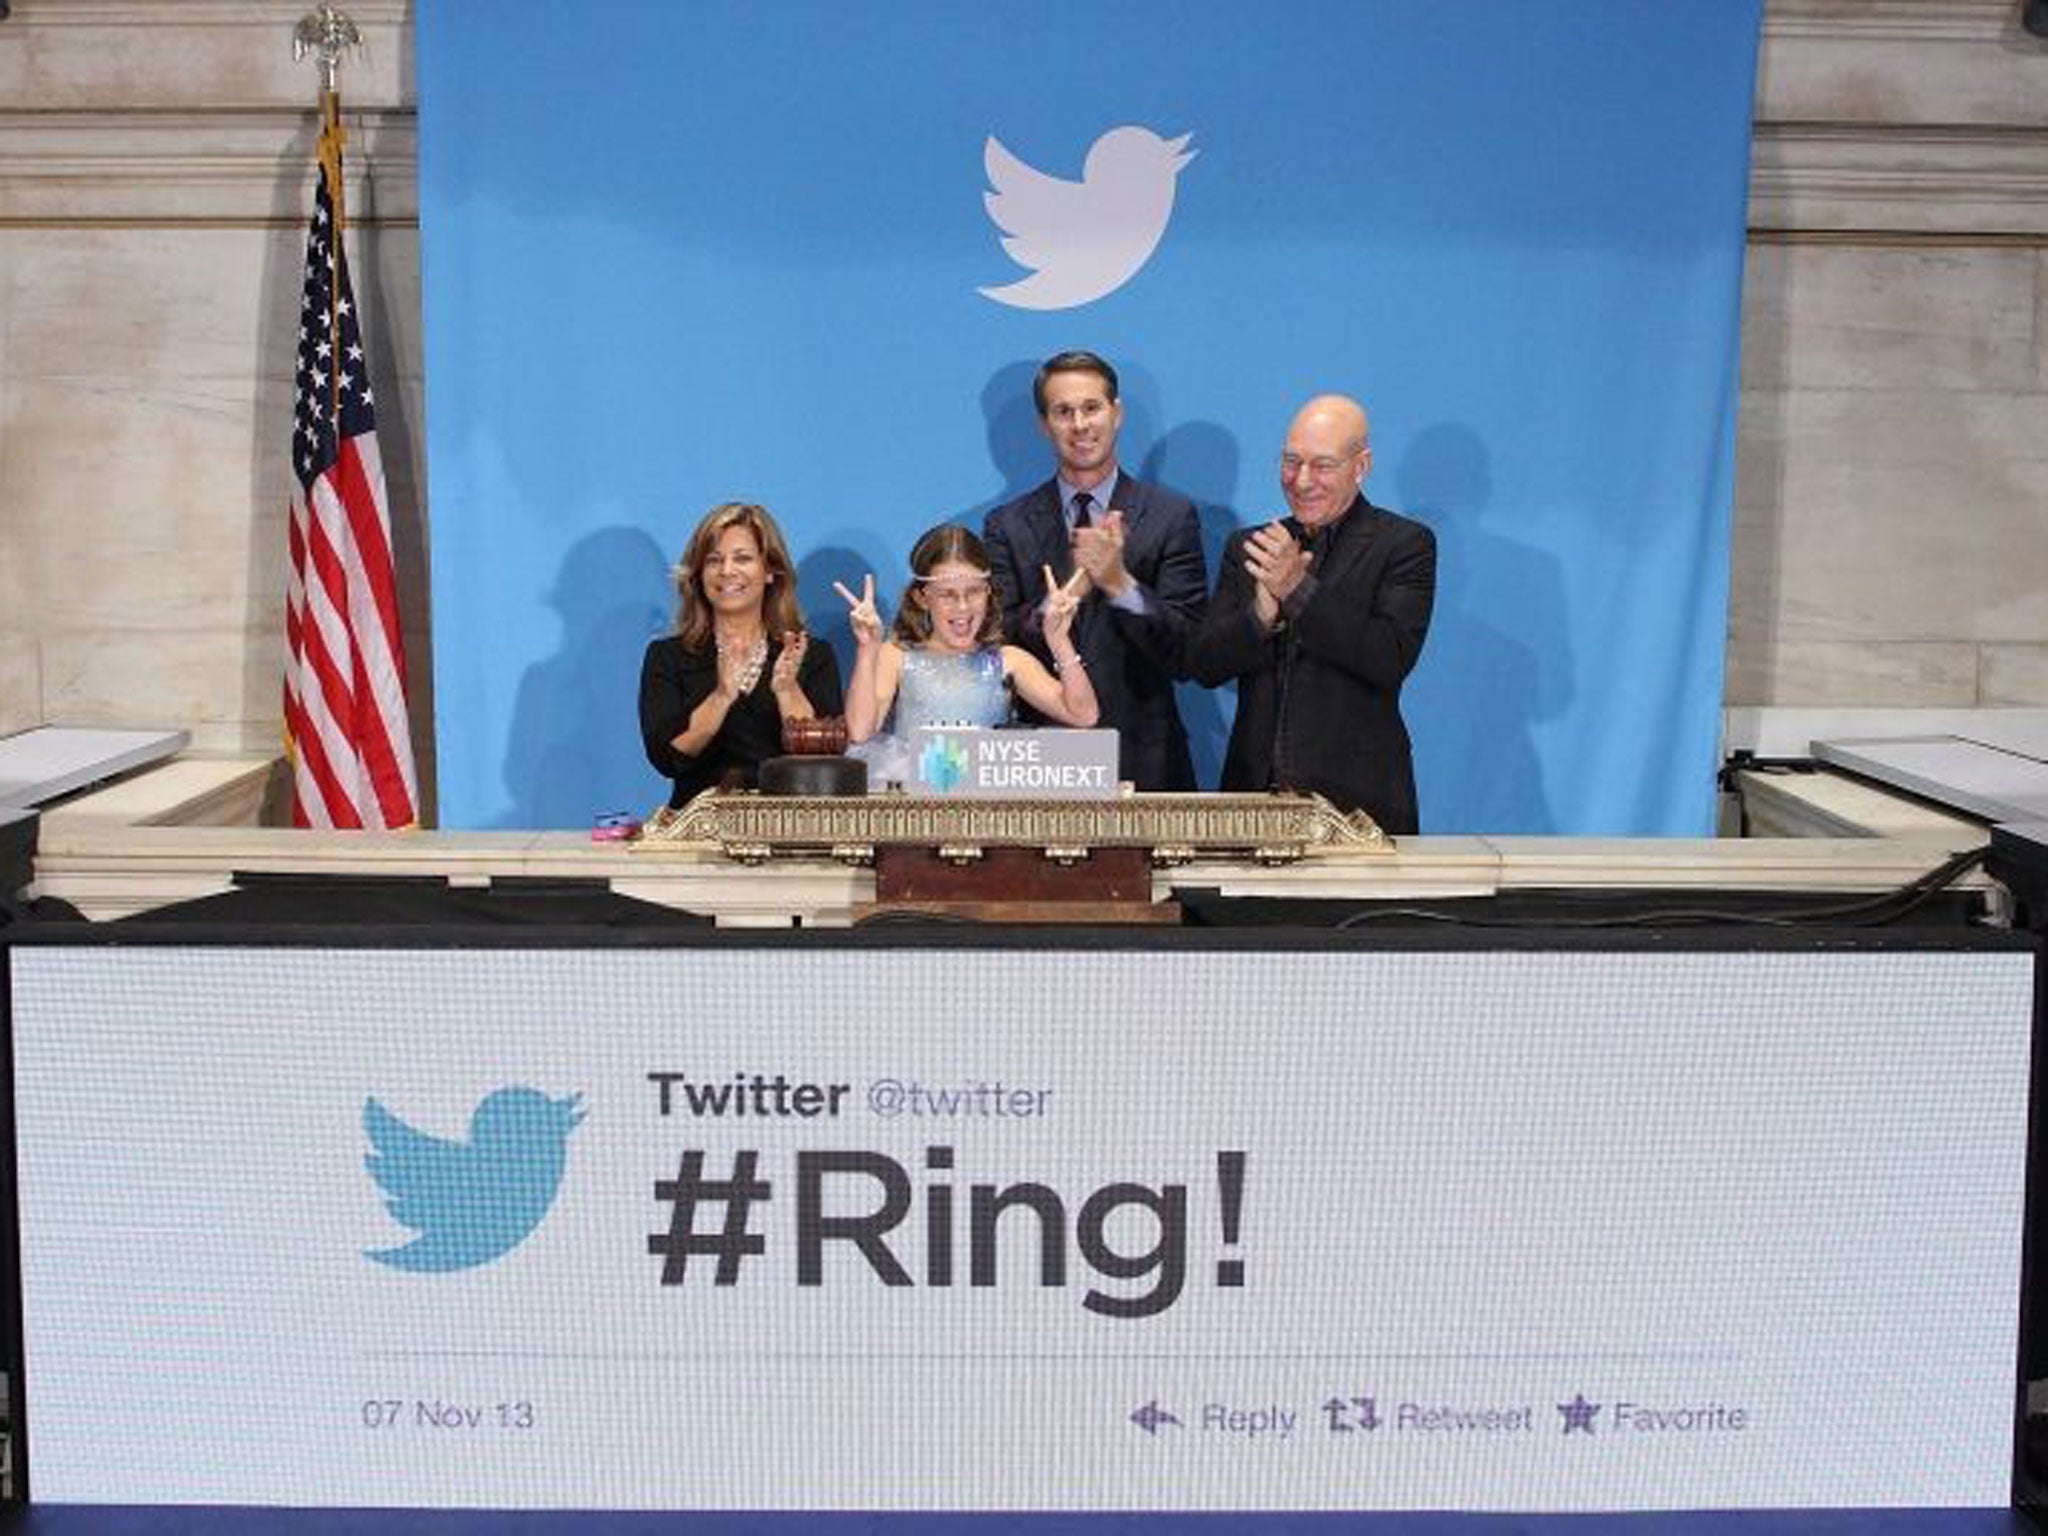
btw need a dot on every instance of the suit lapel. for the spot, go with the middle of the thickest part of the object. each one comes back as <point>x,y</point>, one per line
<point>1049,536</point>
<point>1361,526</point>
<point>1128,499</point>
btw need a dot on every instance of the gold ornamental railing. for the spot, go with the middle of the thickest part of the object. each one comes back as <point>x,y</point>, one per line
<point>1174,828</point>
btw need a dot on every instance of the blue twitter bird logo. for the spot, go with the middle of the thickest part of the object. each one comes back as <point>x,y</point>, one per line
<point>475,1201</point>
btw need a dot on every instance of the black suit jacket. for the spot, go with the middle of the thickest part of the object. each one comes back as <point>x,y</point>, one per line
<point>1132,659</point>
<point>1319,703</point>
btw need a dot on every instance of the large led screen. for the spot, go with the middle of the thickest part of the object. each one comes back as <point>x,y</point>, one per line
<point>857,1227</point>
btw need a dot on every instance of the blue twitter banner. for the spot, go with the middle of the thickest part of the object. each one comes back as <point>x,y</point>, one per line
<point>809,255</point>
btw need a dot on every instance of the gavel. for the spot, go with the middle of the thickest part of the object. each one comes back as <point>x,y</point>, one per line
<point>819,736</point>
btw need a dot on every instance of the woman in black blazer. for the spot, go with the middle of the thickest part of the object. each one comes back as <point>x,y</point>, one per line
<point>714,695</point>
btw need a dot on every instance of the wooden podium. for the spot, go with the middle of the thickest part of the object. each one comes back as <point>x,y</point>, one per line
<point>1016,861</point>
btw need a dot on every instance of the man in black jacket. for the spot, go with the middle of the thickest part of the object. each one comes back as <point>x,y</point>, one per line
<point>1320,617</point>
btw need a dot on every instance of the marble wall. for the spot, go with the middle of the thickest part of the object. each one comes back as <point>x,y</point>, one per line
<point>155,177</point>
<point>1891,536</point>
<point>1891,539</point>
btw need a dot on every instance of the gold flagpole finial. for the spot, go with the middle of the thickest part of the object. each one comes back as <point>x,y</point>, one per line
<point>327,33</point>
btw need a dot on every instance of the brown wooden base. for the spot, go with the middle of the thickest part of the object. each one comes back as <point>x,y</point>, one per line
<point>1120,876</point>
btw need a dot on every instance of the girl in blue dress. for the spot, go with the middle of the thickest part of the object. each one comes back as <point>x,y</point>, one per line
<point>944,662</point>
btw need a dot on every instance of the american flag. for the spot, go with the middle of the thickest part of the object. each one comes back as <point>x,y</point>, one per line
<point>344,682</point>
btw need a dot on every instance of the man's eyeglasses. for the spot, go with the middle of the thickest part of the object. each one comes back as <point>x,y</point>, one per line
<point>1086,411</point>
<point>1323,466</point>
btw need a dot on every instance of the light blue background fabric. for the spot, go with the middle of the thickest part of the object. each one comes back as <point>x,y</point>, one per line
<point>682,254</point>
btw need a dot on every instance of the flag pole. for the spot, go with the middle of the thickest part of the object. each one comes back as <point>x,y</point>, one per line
<point>347,724</point>
<point>327,34</point>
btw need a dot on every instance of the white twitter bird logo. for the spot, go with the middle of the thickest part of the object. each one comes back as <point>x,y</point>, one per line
<point>1083,239</point>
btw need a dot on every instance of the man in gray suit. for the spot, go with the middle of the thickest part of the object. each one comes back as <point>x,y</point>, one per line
<point>1141,546</point>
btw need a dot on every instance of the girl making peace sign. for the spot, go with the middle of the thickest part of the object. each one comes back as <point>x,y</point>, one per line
<point>944,662</point>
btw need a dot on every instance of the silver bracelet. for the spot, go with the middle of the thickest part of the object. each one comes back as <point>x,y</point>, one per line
<point>1059,668</point>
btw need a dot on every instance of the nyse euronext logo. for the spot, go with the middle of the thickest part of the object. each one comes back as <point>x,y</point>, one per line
<point>470,1201</point>
<point>944,763</point>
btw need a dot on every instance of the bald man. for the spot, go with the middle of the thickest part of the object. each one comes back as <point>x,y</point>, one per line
<point>1320,617</point>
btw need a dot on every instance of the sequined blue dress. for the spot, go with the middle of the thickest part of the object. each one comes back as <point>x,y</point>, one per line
<point>936,688</point>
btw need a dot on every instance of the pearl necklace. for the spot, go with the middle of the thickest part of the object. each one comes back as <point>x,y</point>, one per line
<point>751,661</point>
